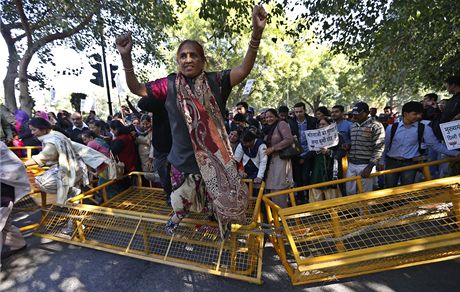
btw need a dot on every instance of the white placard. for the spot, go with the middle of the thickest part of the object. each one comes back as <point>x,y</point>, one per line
<point>119,85</point>
<point>248,86</point>
<point>322,138</point>
<point>53,99</point>
<point>87,104</point>
<point>451,133</point>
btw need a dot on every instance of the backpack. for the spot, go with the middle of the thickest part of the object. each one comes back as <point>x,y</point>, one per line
<point>420,131</point>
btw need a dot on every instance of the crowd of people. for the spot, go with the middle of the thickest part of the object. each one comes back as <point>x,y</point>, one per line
<point>184,138</point>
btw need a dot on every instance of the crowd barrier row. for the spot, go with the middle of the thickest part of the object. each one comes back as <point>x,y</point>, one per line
<point>354,235</point>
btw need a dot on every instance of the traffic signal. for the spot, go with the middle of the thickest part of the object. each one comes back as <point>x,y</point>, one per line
<point>113,73</point>
<point>98,79</point>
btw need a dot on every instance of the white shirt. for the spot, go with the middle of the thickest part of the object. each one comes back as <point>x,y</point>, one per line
<point>13,172</point>
<point>260,160</point>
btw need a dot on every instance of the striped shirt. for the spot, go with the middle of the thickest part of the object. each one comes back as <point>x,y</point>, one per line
<point>367,142</point>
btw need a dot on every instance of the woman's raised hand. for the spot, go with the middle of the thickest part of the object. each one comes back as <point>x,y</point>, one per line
<point>259,19</point>
<point>124,43</point>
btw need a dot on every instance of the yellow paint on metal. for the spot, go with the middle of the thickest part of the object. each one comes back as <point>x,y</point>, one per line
<point>369,232</point>
<point>132,224</point>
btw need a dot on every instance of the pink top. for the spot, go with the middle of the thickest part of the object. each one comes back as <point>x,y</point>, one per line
<point>96,146</point>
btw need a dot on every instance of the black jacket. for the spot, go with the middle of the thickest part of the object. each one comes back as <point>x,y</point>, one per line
<point>311,125</point>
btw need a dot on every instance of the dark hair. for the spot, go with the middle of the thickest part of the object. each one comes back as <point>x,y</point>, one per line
<point>40,123</point>
<point>89,134</point>
<point>197,46</point>
<point>283,109</point>
<point>323,110</point>
<point>431,96</point>
<point>239,117</point>
<point>327,119</point>
<point>248,136</point>
<point>146,117</point>
<point>243,104</point>
<point>412,106</point>
<point>117,125</point>
<point>300,104</point>
<point>97,123</point>
<point>387,107</point>
<point>339,107</point>
<point>273,111</point>
<point>453,80</point>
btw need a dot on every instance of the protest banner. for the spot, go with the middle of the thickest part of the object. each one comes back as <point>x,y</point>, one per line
<point>247,87</point>
<point>322,138</point>
<point>451,133</point>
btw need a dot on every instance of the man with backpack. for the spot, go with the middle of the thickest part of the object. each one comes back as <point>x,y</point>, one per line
<point>404,145</point>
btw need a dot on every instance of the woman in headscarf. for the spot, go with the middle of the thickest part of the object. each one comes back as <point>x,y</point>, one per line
<point>204,174</point>
<point>42,114</point>
<point>22,129</point>
<point>67,170</point>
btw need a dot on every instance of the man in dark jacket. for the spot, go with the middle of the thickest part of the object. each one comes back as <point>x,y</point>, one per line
<point>78,128</point>
<point>161,142</point>
<point>453,105</point>
<point>302,165</point>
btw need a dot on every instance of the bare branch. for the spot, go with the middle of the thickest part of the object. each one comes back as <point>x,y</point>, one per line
<point>60,35</point>
<point>24,21</point>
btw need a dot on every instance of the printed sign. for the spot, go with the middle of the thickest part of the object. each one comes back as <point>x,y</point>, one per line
<point>451,133</point>
<point>248,86</point>
<point>322,138</point>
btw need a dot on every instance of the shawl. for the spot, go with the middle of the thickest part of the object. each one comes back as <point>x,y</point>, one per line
<point>270,130</point>
<point>213,153</point>
<point>69,162</point>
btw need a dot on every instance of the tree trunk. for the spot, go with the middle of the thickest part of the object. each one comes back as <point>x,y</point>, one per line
<point>11,71</point>
<point>25,100</point>
<point>8,83</point>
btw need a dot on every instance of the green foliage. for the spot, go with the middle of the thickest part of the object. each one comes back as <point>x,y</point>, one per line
<point>405,45</point>
<point>288,69</point>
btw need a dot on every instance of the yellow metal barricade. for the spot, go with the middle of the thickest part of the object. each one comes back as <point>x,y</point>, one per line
<point>368,232</point>
<point>132,223</point>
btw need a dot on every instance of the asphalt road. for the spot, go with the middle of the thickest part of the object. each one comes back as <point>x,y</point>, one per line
<point>54,266</point>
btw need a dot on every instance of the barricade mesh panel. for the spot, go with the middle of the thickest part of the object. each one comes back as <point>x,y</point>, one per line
<point>345,237</point>
<point>377,222</point>
<point>194,245</point>
<point>153,201</point>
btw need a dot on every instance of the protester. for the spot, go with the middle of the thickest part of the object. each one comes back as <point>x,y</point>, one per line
<point>403,145</point>
<point>366,147</point>
<point>322,112</point>
<point>78,128</point>
<point>247,112</point>
<point>251,153</point>
<point>326,168</point>
<point>195,101</point>
<point>234,139</point>
<point>283,112</point>
<point>67,172</point>
<point>302,164</point>
<point>343,125</point>
<point>452,110</point>
<point>123,146</point>
<point>144,144</point>
<point>279,173</point>
<point>14,186</point>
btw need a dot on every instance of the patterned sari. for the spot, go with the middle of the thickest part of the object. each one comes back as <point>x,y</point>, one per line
<point>213,153</point>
